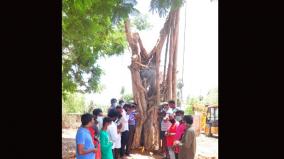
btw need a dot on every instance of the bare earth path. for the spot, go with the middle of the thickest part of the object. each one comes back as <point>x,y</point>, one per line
<point>207,147</point>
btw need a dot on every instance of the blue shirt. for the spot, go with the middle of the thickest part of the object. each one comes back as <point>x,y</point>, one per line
<point>84,137</point>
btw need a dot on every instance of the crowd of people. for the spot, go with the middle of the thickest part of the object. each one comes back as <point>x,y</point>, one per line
<point>177,134</point>
<point>111,136</point>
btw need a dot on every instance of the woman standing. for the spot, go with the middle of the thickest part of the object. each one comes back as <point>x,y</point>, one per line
<point>106,144</point>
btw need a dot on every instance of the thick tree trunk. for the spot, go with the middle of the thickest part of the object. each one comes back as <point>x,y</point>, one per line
<point>174,71</point>
<point>137,88</point>
<point>146,81</point>
<point>170,68</point>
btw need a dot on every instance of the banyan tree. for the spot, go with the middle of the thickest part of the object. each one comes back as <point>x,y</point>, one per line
<point>149,85</point>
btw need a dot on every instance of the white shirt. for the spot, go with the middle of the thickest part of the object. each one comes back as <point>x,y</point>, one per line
<point>124,121</point>
<point>100,122</point>
<point>114,136</point>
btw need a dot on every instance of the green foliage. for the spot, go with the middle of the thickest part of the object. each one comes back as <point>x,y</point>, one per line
<point>103,107</point>
<point>74,103</point>
<point>141,22</point>
<point>162,7</point>
<point>188,110</point>
<point>91,29</point>
<point>90,108</point>
<point>190,103</point>
<point>127,98</point>
<point>212,97</point>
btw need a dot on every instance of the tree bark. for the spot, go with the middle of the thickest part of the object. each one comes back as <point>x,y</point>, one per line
<point>146,90</point>
<point>174,71</point>
<point>170,67</point>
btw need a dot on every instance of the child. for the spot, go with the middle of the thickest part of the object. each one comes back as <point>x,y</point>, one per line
<point>106,144</point>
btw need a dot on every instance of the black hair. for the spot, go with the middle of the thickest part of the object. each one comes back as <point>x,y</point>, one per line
<point>97,111</point>
<point>112,113</point>
<point>180,112</point>
<point>86,118</point>
<point>120,102</point>
<point>171,102</point>
<point>118,107</point>
<point>188,119</point>
<point>106,120</point>
<point>113,100</point>
<point>127,106</point>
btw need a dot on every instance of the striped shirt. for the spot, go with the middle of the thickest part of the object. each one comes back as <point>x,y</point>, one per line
<point>165,125</point>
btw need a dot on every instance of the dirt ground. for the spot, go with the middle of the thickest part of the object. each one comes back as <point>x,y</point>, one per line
<point>207,147</point>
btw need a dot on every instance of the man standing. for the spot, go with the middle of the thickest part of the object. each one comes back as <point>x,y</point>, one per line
<point>131,124</point>
<point>172,105</point>
<point>167,109</point>
<point>114,135</point>
<point>85,148</point>
<point>121,103</point>
<point>113,102</point>
<point>124,130</point>
<point>188,142</point>
<point>98,114</point>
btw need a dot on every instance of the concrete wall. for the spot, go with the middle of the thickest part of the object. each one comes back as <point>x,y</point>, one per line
<point>72,121</point>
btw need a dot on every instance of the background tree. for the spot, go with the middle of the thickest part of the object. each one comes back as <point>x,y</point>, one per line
<point>212,97</point>
<point>198,103</point>
<point>90,29</point>
<point>74,103</point>
<point>90,107</point>
<point>127,98</point>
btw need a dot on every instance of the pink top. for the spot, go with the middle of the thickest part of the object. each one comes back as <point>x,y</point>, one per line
<point>180,130</point>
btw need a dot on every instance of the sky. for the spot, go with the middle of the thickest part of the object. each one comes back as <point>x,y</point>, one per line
<point>201,52</point>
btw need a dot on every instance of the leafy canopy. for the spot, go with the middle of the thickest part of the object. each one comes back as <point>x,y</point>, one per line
<point>90,29</point>
<point>162,7</point>
<point>74,103</point>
